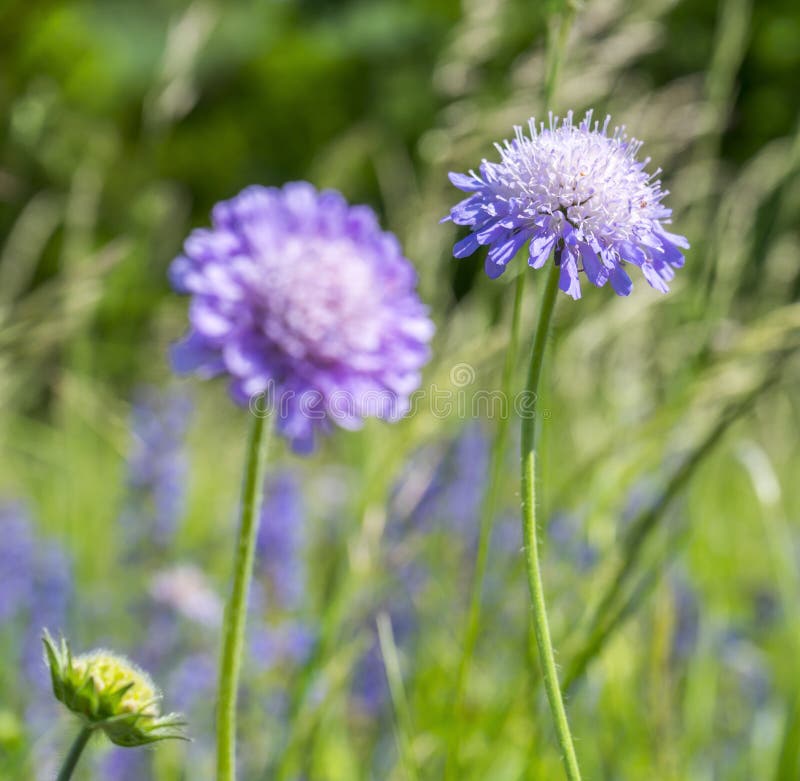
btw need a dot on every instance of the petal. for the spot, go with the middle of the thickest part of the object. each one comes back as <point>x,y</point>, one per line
<point>568,281</point>
<point>671,253</point>
<point>676,239</point>
<point>620,280</point>
<point>207,319</point>
<point>493,270</point>
<point>495,232</point>
<point>194,354</point>
<point>630,252</point>
<point>541,246</point>
<point>466,183</point>
<point>465,247</point>
<point>595,270</point>
<point>502,252</point>
<point>654,278</point>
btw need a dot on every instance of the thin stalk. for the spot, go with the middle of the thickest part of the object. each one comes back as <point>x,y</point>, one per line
<point>74,755</point>
<point>236,609</point>
<point>528,469</point>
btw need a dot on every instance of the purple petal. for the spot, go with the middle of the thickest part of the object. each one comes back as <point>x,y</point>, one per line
<point>654,278</point>
<point>503,252</point>
<point>493,270</point>
<point>620,280</point>
<point>568,281</point>
<point>466,183</point>
<point>541,246</point>
<point>465,247</point>
<point>630,252</point>
<point>193,353</point>
<point>676,239</point>
<point>595,270</point>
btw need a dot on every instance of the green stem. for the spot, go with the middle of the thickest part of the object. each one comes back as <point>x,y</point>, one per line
<point>488,509</point>
<point>528,466</point>
<point>74,755</point>
<point>236,609</point>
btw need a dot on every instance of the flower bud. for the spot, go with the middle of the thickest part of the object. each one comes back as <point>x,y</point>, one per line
<point>111,694</point>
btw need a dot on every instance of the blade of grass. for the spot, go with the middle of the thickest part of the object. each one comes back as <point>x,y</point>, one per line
<point>402,717</point>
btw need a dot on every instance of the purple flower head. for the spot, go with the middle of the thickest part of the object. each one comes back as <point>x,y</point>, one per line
<point>579,191</point>
<point>303,301</point>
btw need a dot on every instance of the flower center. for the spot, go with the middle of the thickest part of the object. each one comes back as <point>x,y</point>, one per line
<point>319,299</point>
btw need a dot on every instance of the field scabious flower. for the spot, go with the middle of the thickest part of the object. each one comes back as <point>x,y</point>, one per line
<point>577,190</point>
<point>302,297</point>
<point>110,694</point>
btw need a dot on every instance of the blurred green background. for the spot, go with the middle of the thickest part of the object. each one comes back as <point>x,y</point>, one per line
<point>122,123</point>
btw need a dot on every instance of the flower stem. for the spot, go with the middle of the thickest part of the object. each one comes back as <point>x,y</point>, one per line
<point>488,509</point>
<point>74,755</point>
<point>236,609</point>
<point>528,467</point>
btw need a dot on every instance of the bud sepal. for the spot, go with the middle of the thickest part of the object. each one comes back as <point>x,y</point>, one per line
<point>111,694</point>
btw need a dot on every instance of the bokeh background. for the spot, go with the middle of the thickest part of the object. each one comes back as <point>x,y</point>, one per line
<point>670,429</point>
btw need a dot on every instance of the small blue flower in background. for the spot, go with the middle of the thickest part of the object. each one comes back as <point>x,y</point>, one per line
<point>123,764</point>
<point>50,597</point>
<point>452,493</point>
<point>185,589</point>
<point>302,297</point>
<point>575,189</point>
<point>370,688</point>
<point>567,532</point>
<point>36,591</point>
<point>272,645</point>
<point>281,539</point>
<point>192,681</point>
<point>16,560</point>
<point>157,466</point>
<point>279,636</point>
<point>686,627</point>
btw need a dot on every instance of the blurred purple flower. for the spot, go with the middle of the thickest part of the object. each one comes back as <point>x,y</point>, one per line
<point>575,189</point>
<point>36,590</point>
<point>686,628</point>
<point>51,594</point>
<point>17,554</point>
<point>287,642</point>
<point>370,688</point>
<point>567,533</point>
<point>157,466</point>
<point>192,681</point>
<point>185,589</point>
<point>280,542</point>
<point>125,764</point>
<point>453,496</point>
<point>300,296</point>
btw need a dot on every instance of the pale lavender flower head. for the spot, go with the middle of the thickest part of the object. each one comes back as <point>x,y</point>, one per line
<point>301,297</point>
<point>575,189</point>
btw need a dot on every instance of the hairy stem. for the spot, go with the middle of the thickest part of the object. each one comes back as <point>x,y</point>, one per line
<point>528,469</point>
<point>236,609</point>
<point>74,755</point>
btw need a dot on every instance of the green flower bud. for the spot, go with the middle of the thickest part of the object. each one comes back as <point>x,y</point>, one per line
<point>111,694</point>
